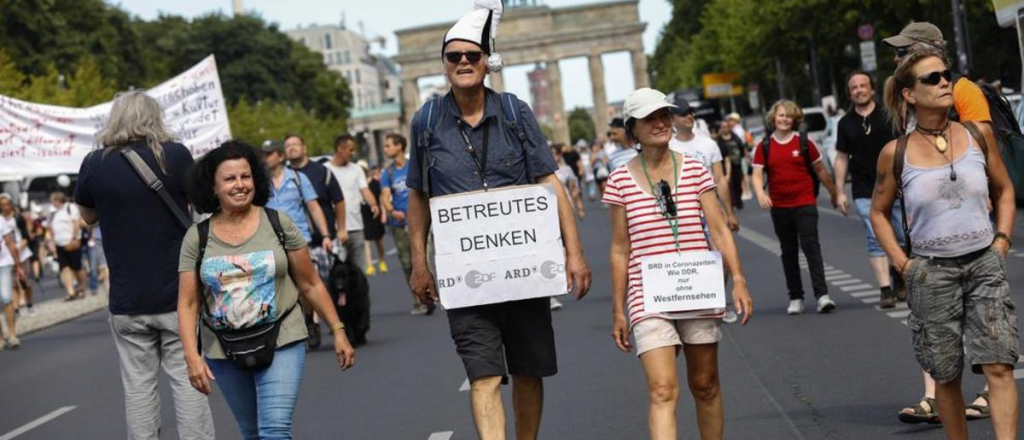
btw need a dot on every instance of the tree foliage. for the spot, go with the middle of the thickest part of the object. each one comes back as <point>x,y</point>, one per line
<point>80,52</point>
<point>747,36</point>
<point>581,126</point>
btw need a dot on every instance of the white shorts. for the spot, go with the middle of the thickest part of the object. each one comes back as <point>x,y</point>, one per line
<point>6,284</point>
<point>654,333</point>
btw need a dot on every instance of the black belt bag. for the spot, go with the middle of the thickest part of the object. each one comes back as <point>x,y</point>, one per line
<point>251,348</point>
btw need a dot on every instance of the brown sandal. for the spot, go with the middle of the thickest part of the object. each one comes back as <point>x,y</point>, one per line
<point>920,414</point>
<point>983,410</point>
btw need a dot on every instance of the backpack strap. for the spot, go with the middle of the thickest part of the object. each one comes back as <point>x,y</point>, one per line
<point>204,237</point>
<point>275,223</point>
<point>423,131</point>
<point>897,173</point>
<point>510,107</point>
<point>302,202</point>
<point>766,144</point>
<point>975,132</point>
<point>805,151</point>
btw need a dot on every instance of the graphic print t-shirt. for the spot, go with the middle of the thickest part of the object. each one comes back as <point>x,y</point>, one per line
<point>248,284</point>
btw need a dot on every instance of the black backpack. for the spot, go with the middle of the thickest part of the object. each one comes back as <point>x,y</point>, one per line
<point>1008,136</point>
<point>804,151</point>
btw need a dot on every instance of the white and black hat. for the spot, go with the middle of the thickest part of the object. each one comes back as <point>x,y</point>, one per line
<point>480,27</point>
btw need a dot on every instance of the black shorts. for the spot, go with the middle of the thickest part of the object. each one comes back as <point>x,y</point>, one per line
<point>507,338</point>
<point>70,259</point>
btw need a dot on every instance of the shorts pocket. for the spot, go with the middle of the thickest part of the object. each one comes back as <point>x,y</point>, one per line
<point>919,341</point>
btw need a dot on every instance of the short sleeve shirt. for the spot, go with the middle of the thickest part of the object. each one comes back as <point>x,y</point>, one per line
<point>352,180</point>
<point>789,181</point>
<point>394,178</point>
<point>328,193</point>
<point>62,224</point>
<point>970,102</point>
<point>863,139</point>
<point>704,149</point>
<point>289,200</point>
<point>246,285</point>
<point>452,169</point>
<point>141,237</point>
<point>650,233</point>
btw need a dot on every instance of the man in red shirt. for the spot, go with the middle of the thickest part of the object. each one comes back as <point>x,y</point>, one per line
<point>793,203</point>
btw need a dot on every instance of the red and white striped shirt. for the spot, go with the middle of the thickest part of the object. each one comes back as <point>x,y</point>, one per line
<point>650,233</point>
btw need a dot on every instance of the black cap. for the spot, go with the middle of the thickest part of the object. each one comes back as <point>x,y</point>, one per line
<point>617,123</point>
<point>682,106</point>
<point>272,146</point>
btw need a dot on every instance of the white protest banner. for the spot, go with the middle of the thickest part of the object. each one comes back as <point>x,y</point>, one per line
<point>497,246</point>
<point>683,281</point>
<point>46,140</point>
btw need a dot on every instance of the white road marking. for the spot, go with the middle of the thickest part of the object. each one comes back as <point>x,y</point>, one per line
<point>37,422</point>
<point>863,294</point>
<point>444,435</point>
<point>856,287</point>
<point>872,300</point>
<point>836,277</point>
<point>899,314</point>
<point>465,386</point>
<point>834,272</point>
<point>846,282</point>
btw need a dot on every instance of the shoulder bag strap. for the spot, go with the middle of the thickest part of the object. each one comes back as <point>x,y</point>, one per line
<point>897,173</point>
<point>972,128</point>
<point>275,222</point>
<point>424,132</point>
<point>302,200</point>
<point>155,184</point>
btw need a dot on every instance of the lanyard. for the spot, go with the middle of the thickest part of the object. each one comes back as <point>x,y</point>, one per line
<point>480,162</point>
<point>673,221</point>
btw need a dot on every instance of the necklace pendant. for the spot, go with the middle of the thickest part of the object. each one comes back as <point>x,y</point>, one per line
<point>940,143</point>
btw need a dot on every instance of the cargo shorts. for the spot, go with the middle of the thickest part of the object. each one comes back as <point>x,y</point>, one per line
<point>961,307</point>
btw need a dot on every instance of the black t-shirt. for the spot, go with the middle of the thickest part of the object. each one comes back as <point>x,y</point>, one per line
<point>19,220</point>
<point>732,149</point>
<point>572,158</point>
<point>328,194</point>
<point>141,237</point>
<point>863,139</point>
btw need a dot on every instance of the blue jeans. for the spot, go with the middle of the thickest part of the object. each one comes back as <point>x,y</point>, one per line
<point>263,401</point>
<point>864,209</point>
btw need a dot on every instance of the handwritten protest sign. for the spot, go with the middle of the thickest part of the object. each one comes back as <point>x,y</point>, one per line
<point>684,281</point>
<point>46,140</point>
<point>498,246</point>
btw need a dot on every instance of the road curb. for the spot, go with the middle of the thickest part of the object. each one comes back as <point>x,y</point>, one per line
<point>57,311</point>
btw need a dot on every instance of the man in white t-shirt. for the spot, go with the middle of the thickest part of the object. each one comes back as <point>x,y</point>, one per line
<point>352,180</point>
<point>65,228</point>
<point>8,270</point>
<point>705,150</point>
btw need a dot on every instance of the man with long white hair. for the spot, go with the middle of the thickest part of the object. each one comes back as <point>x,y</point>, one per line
<point>142,238</point>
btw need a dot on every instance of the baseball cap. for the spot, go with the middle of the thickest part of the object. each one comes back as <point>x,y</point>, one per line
<point>617,123</point>
<point>683,107</point>
<point>272,146</point>
<point>920,32</point>
<point>642,102</point>
<point>734,117</point>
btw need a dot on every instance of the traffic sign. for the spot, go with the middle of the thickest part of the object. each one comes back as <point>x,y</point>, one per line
<point>866,32</point>
<point>868,58</point>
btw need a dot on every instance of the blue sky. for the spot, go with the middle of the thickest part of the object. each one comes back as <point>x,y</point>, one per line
<point>383,17</point>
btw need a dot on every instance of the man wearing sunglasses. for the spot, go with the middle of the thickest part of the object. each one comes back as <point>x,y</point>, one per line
<point>968,99</point>
<point>970,104</point>
<point>465,138</point>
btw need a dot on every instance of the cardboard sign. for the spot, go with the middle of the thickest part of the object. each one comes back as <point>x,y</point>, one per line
<point>683,281</point>
<point>47,140</point>
<point>497,246</point>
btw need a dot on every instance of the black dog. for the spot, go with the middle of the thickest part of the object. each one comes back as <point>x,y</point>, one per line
<point>350,292</point>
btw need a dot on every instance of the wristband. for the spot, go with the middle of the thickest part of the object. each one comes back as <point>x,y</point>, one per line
<point>1003,236</point>
<point>338,326</point>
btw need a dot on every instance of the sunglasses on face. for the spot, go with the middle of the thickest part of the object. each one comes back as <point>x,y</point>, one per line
<point>934,78</point>
<point>902,51</point>
<point>455,57</point>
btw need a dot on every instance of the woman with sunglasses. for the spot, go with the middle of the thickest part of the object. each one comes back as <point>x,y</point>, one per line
<point>947,175</point>
<point>656,203</point>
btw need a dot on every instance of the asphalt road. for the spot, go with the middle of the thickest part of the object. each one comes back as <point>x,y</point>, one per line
<point>839,376</point>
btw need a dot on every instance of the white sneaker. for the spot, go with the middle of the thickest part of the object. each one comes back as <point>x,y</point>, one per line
<point>825,304</point>
<point>730,317</point>
<point>796,307</point>
<point>555,304</point>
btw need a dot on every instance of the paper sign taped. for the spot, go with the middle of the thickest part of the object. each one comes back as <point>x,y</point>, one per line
<point>497,246</point>
<point>683,281</point>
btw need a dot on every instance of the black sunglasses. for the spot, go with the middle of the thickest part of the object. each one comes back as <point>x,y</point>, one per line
<point>665,199</point>
<point>933,79</point>
<point>902,51</point>
<point>454,57</point>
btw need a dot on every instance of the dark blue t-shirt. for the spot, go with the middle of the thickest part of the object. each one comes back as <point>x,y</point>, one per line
<point>141,237</point>
<point>328,193</point>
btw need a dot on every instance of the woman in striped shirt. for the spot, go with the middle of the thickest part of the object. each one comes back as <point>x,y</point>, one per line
<point>652,217</point>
